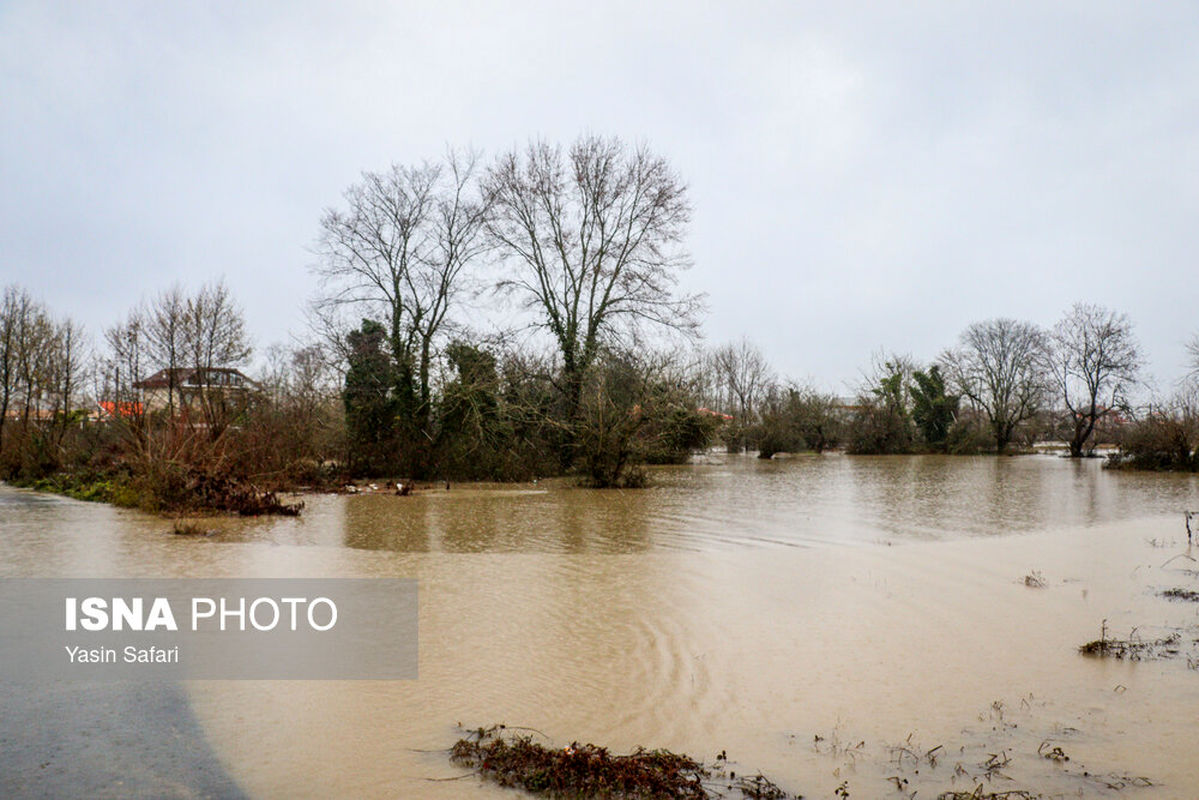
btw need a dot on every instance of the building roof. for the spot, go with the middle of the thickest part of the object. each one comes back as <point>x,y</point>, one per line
<point>192,376</point>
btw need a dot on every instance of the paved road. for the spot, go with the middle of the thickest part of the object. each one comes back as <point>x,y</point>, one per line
<point>111,740</point>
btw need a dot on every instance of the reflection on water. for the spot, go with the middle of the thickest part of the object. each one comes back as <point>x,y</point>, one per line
<point>717,610</point>
<point>741,502</point>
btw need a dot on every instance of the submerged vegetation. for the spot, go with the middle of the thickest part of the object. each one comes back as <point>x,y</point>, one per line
<point>1134,648</point>
<point>586,770</point>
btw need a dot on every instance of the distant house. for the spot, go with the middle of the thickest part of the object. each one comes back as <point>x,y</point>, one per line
<point>192,387</point>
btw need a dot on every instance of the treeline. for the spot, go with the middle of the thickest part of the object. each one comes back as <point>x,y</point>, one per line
<point>1005,385</point>
<point>156,414</point>
<point>597,372</point>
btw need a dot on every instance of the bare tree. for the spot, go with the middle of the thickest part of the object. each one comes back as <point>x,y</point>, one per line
<point>41,364</point>
<point>26,332</point>
<point>66,361</point>
<point>1193,355</point>
<point>14,305</point>
<point>1093,359</point>
<point>998,367</point>
<point>213,338</point>
<point>302,403</point>
<point>125,365</point>
<point>164,325</point>
<point>398,253</point>
<point>743,378</point>
<point>594,241</point>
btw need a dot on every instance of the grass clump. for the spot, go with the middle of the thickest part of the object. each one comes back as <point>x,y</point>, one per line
<point>587,770</point>
<point>1134,648</point>
<point>1181,594</point>
<point>979,794</point>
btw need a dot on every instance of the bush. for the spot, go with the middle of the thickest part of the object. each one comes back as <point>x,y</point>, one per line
<point>1161,441</point>
<point>876,429</point>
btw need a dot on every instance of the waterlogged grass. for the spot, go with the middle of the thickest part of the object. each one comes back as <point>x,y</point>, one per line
<point>588,771</point>
<point>192,491</point>
<point>114,491</point>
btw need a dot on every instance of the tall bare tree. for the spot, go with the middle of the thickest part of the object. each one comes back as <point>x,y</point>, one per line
<point>593,239</point>
<point>1093,358</point>
<point>26,332</point>
<point>66,362</point>
<point>14,304</point>
<point>397,252</point>
<point>125,365</point>
<point>41,363</point>
<point>164,321</point>
<point>998,366</point>
<point>744,377</point>
<point>213,338</point>
<point>214,329</point>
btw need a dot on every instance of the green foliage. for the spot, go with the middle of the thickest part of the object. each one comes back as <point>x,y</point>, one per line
<point>369,401</point>
<point>115,490</point>
<point>933,410</point>
<point>494,425</point>
<point>882,423</point>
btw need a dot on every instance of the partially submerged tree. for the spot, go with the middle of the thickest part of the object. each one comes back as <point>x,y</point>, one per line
<point>635,409</point>
<point>369,400</point>
<point>1093,358</point>
<point>933,409</point>
<point>882,422</point>
<point>593,239</point>
<point>743,380</point>
<point>795,418</point>
<point>398,252</point>
<point>1164,436</point>
<point>298,422</point>
<point>998,367</point>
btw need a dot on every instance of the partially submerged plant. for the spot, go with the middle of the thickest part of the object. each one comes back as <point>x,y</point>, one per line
<point>1181,594</point>
<point>1133,648</point>
<point>979,794</point>
<point>188,528</point>
<point>586,770</point>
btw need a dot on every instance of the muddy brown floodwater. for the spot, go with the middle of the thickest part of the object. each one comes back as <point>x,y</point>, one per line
<point>821,619</point>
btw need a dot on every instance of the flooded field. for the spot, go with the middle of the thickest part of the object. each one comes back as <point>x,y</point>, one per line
<point>875,624</point>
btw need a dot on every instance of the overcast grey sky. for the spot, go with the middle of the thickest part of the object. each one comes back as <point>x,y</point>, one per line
<point>863,175</point>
